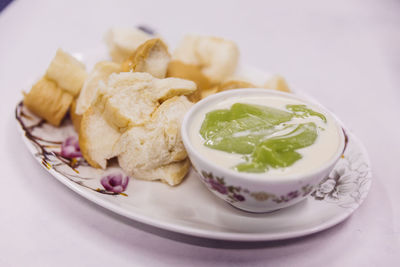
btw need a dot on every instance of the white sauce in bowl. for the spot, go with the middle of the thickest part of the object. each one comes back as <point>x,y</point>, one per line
<point>313,157</point>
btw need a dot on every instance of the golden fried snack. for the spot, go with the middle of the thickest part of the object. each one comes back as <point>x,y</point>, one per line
<point>216,57</point>
<point>122,42</point>
<point>75,118</point>
<point>67,72</point>
<point>277,82</point>
<point>235,84</point>
<point>48,101</point>
<point>209,91</point>
<point>151,57</point>
<point>182,70</point>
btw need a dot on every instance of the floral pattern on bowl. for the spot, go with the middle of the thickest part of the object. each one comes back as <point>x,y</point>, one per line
<point>346,186</point>
<point>237,194</point>
<point>218,184</point>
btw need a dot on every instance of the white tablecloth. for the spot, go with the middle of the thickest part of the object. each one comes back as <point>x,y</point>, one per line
<point>344,53</point>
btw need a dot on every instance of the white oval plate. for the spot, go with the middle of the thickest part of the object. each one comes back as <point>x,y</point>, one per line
<point>190,208</point>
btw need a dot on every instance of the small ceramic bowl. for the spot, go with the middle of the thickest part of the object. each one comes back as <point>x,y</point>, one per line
<point>248,191</point>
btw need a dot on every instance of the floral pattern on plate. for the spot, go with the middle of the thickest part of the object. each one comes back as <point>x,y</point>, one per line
<point>348,184</point>
<point>58,150</point>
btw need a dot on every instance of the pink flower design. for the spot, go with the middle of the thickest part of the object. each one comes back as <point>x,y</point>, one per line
<point>116,183</point>
<point>218,186</point>
<point>238,197</point>
<point>70,148</point>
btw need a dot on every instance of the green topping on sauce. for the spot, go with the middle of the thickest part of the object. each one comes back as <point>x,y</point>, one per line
<point>265,136</point>
<point>279,152</point>
<point>302,111</point>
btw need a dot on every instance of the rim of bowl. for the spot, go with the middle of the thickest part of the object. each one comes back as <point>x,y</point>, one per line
<point>251,176</point>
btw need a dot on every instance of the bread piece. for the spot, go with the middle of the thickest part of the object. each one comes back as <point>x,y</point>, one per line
<point>127,100</point>
<point>277,82</point>
<point>122,42</point>
<point>48,101</point>
<point>75,118</point>
<point>216,57</point>
<point>219,58</point>
<point>97,138</point>
<point>163,89</point>
<point>100,72</point>
<point>169,118</point>
<point>158,143</point>
<point>171,174</point>
<point>186,51</point>
<point>67,72</point>
<point>151,57</point>
<point>130,98</point>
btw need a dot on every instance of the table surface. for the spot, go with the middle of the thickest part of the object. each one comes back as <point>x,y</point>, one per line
<point>344,53</point>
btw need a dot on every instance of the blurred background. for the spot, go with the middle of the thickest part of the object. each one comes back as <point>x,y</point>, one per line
<point>346,54</point>
<point>331,49</point>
